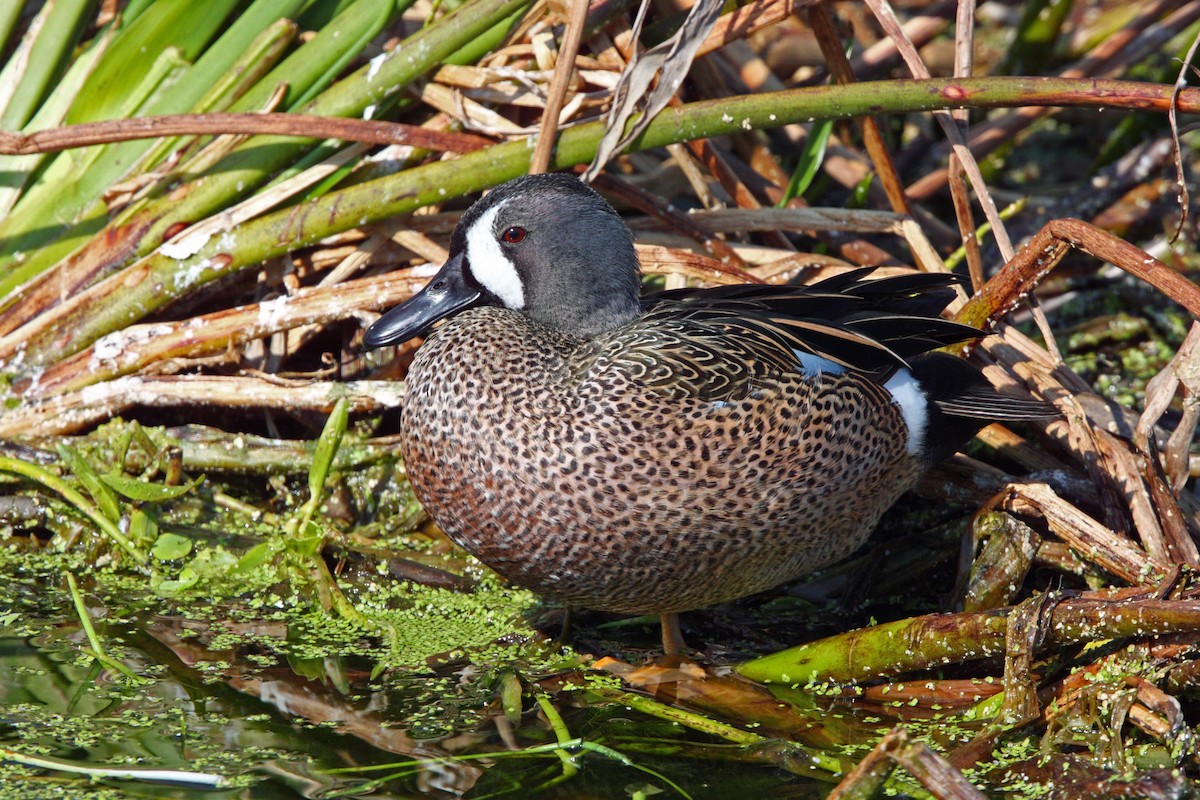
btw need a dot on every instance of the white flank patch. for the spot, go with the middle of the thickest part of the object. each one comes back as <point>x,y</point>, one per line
<point>812,365</point>
<point>914,405</point>
<point>488,263</point>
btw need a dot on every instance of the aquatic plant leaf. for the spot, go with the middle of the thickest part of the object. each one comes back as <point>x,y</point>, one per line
<point>188,578</point>
<point>145,491</point>
<point>327,445</point>
<point>142,526</point>
<point>171,547</point>
<point>82,470</point>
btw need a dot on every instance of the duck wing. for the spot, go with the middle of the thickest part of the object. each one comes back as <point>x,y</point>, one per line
<point>871,326</point>
<point>729,341</point>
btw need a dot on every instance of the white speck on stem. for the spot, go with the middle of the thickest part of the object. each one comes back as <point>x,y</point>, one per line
<point>185,246</point>
<point>373,66</point>
<point>271,311</point>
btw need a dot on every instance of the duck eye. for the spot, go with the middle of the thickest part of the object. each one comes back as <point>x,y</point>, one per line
<point>513,235</point>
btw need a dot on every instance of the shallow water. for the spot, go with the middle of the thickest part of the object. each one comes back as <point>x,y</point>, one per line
<point>228,697</point>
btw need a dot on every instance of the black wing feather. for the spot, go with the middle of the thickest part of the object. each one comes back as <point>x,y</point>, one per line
<point>872,326</point>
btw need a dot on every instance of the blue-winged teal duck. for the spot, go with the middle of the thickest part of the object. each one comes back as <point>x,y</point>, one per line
<point>663,454</point>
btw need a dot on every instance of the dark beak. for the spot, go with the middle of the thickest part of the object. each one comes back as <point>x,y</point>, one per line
<point>448,292</point>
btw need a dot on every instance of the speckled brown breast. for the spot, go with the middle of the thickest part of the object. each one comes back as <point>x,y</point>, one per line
<point>569,472</point>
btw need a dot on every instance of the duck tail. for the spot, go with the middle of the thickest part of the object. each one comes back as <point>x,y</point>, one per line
<point>960,401</point>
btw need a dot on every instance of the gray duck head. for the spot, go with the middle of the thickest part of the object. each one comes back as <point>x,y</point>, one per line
<point>546,246</point>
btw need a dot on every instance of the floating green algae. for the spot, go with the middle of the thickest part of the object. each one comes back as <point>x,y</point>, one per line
<point>239,639</point>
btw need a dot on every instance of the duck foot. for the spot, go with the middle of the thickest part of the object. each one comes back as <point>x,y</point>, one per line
<point>672,637</point>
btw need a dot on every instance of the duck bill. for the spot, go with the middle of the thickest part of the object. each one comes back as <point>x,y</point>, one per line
<point>448,292</point>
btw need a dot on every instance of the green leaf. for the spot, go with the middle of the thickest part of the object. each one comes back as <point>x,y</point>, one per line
<point>145,491</point>
<point>188,578</point>
<point>308,541</point>
<point>326,449</point>
<point>862,192</point>
<point>810,161</point>
<point>257,555</point>
<point>171,547</point>
<point>142,527</point>
<point>68,492</point>
<point>83,472</point>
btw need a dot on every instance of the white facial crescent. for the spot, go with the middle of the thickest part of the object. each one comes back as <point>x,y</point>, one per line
<point>488,263</point>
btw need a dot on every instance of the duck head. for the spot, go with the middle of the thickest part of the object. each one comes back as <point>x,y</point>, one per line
<point>546,246</point>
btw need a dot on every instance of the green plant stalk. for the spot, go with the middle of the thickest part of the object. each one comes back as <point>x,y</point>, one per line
<point>114,665</point>
<point>318,13</point>
<point>184,25</point>
<point>511,693</point>
<point>96,650</point>
<point>937,639</point>
<point>1006,213</point>
<point>49,115</point>
<point>261,157</point>
<point>307,545</point>
<point>561,734</point>
<point>85,620</point>
<point>9,14</point>
<point>476,49</point>
<point>135,9</point>
<point>680,716</point>
<point>166,70</point>
<point>378,18</point>
<point>328,586</point>
<point>58,192</point>
<point>149,284</point>
<point>141,228</point>
<point>54,44</point>
<point>68,493</point>
<point>202,779</point>
<point>883,650</point>
<point>621,758</point>
<point>66,190</point>
<point>473,52</point>
<point>407,768</point>
<point>1040,27</point>
<point>249,68</point>
<point>78,196</point>
<point>787,754</point>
